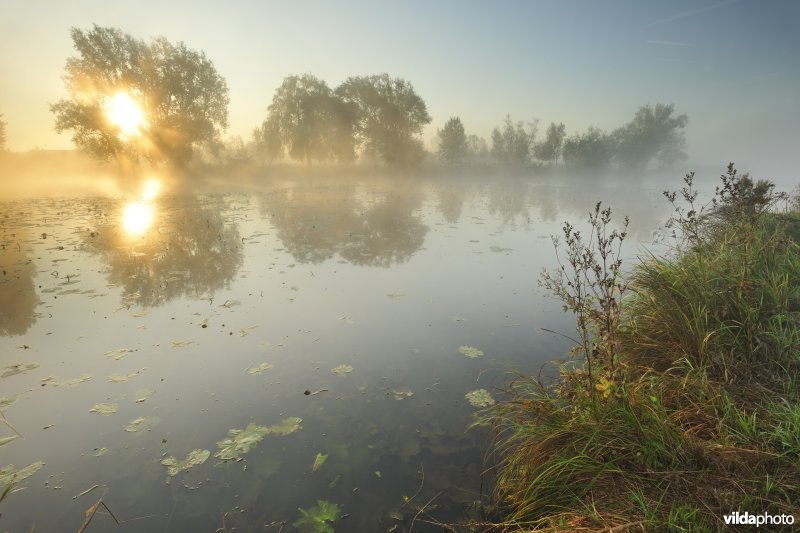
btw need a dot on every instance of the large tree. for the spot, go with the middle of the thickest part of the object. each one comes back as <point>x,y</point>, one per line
<point>549,150</point>
<point>308,122</point>
<point>453,148</point>
<point>655,133</point>
<point>146,100</point>
<point>390,116</point>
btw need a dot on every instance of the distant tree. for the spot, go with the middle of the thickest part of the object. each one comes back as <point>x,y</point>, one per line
<point>453,148</point>
<point>390,116</point>
<point>477,147</point>
<point>2,133</point>
<point>308,122</point>
<point>591,150</point>
<point>653,134</point>
<point>153,101</point>
<point>549,150</point>
<point>512,145</point>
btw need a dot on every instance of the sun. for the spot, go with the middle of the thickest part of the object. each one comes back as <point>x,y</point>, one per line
<point>125,114</point>
<point>137,217</point>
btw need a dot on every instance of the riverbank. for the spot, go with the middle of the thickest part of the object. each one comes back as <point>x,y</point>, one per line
<point>681,405</point>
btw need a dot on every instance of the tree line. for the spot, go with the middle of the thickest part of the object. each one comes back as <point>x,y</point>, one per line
<point>185,101</point>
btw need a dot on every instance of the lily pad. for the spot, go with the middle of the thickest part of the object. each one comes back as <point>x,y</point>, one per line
<point>240,441</point>
<point>9,475</point>
<point>403,394</point>
<point>479,398</point>
<point>105,408</point>
<point>195,457</point>
<point>470,351</point>
<point>143,423</point>
<point>318,519</point>
<point>342,370</point>
<point>319,461</point>
<point>17,368</point>
<point>259,369</point>
<point>286,426</point>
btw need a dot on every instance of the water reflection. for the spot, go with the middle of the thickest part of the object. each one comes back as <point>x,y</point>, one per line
<point>172,247</point>
<point>363,226</point>
<point>18,297</point>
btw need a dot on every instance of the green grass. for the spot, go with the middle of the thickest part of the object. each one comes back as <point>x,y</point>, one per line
<point>695,410</point>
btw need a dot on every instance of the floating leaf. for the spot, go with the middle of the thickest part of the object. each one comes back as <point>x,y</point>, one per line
<point>470,351</point>
<point>347,319</point>
<point>402,394</point>
<point>195,457</point>
<point>342,370</point>
<point>142,395</point>
<point>100,451</point>
<point>317,519</point>
<point>119,353</point>
<point>395,295</point>
<point>479,398</point>
<point>286,426</point>
<point>72,382</point>
<point>17,368</point>
<point>119,378</point>
<point>6,401</point>
<point>6,440</point>
<point>259,369</point>
<point>9,475</point>
<point>105,408</point>
<point>240,441</point>
<point>143,423</point>
<point>246,330</point>
<point>180,344</point>
<point>319,461</point>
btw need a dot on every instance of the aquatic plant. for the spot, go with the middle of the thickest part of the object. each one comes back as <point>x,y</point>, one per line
<point>318,519</point>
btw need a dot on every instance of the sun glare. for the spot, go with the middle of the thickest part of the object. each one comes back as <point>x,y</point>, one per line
<point>137,218</point>
<point>150,189</point>
<point>125,114</point>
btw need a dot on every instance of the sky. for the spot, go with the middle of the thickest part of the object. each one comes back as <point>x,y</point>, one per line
<point>732,66</point>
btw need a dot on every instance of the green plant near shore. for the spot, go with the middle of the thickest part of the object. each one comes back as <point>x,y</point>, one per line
<point>681,403</point>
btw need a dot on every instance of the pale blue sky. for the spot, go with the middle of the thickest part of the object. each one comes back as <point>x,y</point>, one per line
<point>732,66</point>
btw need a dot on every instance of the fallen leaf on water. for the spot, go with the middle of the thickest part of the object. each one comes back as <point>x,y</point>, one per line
<point>246,330</point>
<point>470,351</point>
<point>180,344</point>
<point>195,457</point>
<point>240,441</point>
<point>402,394</point>
<point>395,295</point>
<point>100,451</point>
<point>319,461</point>
<point>105,408</point>
<point>119,378</point>
<point>74,382</point>
<point>6,440</point>
<point>17,368</point>
<point>342,370</point>
<point>259,369</point>
<point>286,426</point>
<point>9,475</point>
<point>143,423</point>
<point>119,353</point>
<point>479,398</point>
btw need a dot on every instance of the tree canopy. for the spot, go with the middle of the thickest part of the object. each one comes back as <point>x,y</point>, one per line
<point>591,150</point>
<point>127,97</point>
<point>550,149</point>
<point>512,145</point>
<point>453,148</point>
<point>654,133</point>
<point>308,122</point>
<point>390,116</point>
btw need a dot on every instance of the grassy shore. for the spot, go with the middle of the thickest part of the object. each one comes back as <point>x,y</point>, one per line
<point>682,401</point>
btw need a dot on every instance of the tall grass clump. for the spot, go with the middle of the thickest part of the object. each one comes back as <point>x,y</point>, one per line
<point>681,402</point>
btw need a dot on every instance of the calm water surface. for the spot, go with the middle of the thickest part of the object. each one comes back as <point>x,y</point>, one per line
<point>134,329</point>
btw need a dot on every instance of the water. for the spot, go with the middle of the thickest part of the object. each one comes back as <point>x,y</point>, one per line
<point>181,296</point>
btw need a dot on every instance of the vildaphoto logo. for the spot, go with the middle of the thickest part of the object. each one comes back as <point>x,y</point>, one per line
<point>747,519</point>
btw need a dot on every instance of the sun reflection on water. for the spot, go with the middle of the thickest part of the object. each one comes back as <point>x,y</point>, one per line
<point>137,217</point>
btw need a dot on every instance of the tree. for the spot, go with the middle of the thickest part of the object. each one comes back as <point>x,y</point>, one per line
<point>592,150</point>
<point>549,150</point>
<point>153,101</point>
<point>2,133</point>
<point>478,149</point>
<point>308,122</point>
<point>654,133</point>
<point>390,116</point>
<point>512,145</point>
<point>453,147</point>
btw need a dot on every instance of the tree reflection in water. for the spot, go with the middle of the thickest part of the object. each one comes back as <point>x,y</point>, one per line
<point>189,250</point>
<point>18,297</point>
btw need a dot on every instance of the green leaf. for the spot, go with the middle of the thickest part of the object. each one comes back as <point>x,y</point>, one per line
<point>319,461</point>
<point>479,398</point>
<point>195,457</point>
<point>317,519</point>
